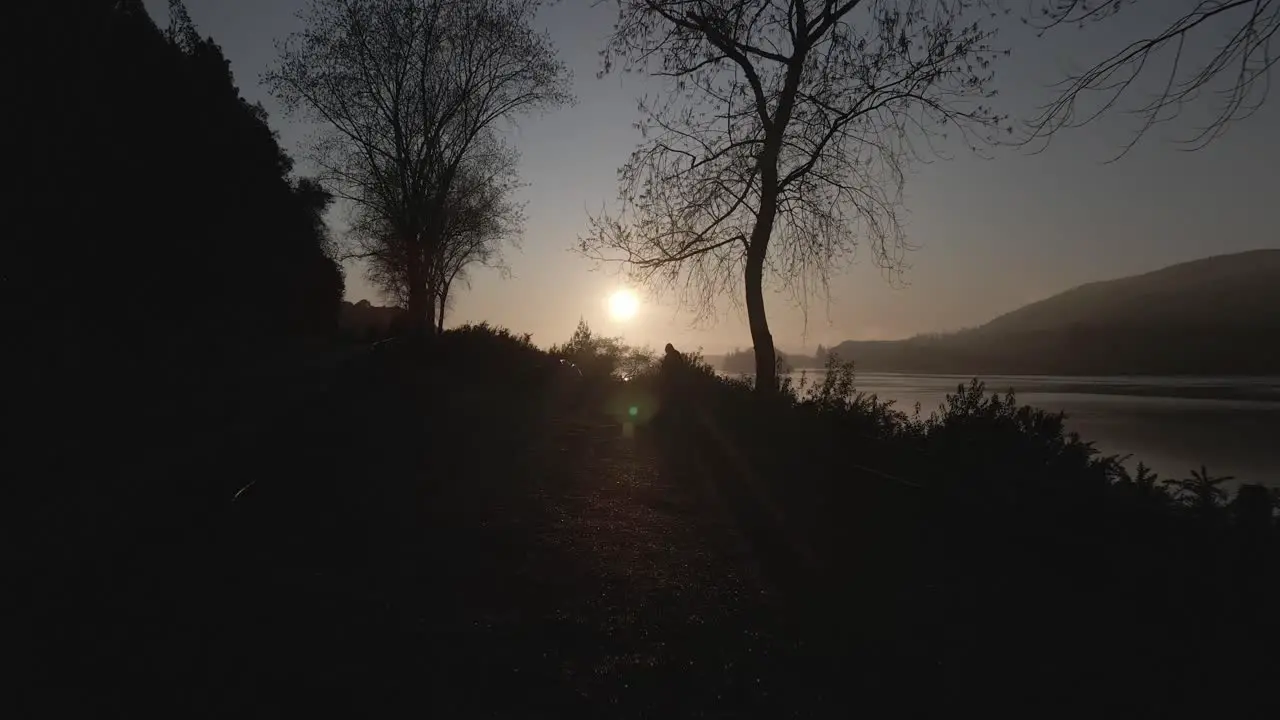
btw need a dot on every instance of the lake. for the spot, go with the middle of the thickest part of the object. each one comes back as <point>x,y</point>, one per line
<point>1231,425</point>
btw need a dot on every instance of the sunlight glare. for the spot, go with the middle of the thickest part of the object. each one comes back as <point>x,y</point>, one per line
<point>623,305</point>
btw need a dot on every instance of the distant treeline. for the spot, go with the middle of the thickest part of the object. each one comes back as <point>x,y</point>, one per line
<point>365,322</point>
<point>743,362</point>
<point>1216,350</point>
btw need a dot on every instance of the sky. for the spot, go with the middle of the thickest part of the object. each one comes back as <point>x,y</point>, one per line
<point>991,233</point>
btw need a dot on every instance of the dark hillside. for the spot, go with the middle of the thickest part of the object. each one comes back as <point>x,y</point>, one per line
<point>1216,316</point>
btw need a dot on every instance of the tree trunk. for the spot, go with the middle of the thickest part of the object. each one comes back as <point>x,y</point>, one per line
<point>429,323</point>
<point>444,298</point>
<point>433,235</point>
<point>761,338</point>
<point>421,302</point>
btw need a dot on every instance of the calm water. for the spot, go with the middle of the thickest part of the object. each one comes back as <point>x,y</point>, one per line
<point>1231,425</point>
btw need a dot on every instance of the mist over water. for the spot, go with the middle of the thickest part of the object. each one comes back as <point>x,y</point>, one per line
<point>1172,424</point>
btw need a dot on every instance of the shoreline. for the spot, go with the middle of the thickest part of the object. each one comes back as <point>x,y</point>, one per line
<point>1264,390</point>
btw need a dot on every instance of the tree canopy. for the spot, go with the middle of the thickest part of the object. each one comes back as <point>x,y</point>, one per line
<point>159,208</point>
<point>407,95</point>
<point>1230,80</point>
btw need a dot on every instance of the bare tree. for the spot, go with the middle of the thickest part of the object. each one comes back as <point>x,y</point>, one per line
<point>784,140</point>
<point>479,219</point>
<point>402,91</point>
<point>1234,73</point>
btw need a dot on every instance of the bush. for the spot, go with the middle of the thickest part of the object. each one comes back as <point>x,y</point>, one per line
<point>1005,457</point>
<point>836,399</point>
<point>488,343</point>
<point>604,358</point>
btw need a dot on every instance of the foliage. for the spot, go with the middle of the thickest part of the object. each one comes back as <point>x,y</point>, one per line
<point>480,220</point>
<point>1008,431</point>
<point>1201,491</point>
<point>1142,488</point>
<point>477,343</point>
<point>501,366</point>
<point>979,444</point>
<point>836,396</point>
<point>407,95</point>
<point>604,357</point>
<point>176,212</point>
<point>166,284</point>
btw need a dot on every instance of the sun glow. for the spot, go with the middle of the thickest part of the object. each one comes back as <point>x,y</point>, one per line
<point>623,305</point>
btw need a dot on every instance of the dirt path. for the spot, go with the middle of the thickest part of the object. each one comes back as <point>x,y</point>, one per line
<point>671,614</point>
<point>394,555</point>
<point>591,578</point>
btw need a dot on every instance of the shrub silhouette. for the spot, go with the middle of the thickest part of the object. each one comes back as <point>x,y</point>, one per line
<point>1201,492</point>
<point>603,358</point>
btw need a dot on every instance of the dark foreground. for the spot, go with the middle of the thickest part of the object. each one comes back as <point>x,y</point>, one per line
<point>397,543</point>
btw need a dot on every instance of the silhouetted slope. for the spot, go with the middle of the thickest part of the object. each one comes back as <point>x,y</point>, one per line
<point>1219,315</point>
<point>1241,290</point>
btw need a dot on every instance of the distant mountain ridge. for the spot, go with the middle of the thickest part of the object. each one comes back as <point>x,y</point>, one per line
<point>1232,289</point>
<point>1215,316</point>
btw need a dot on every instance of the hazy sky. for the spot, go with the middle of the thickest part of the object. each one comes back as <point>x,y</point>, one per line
<point>992,234</point>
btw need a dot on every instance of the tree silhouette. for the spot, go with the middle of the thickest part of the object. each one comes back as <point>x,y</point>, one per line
<point>1145,479</point>
<point>1235,74</point>
<point>406,93</point>
<point>595,355</point>
<point>783,139</point>
<point>479,220</point>
<point>175,212</point>
<point>742,362</point>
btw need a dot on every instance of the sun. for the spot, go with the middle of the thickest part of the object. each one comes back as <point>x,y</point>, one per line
<point>623,305</point>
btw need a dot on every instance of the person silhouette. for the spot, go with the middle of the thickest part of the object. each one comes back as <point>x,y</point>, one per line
<point>670,384</point>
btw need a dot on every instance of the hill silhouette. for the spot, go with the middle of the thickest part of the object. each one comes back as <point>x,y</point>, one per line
<point>1242,289</point>
<point>1214,316</point>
